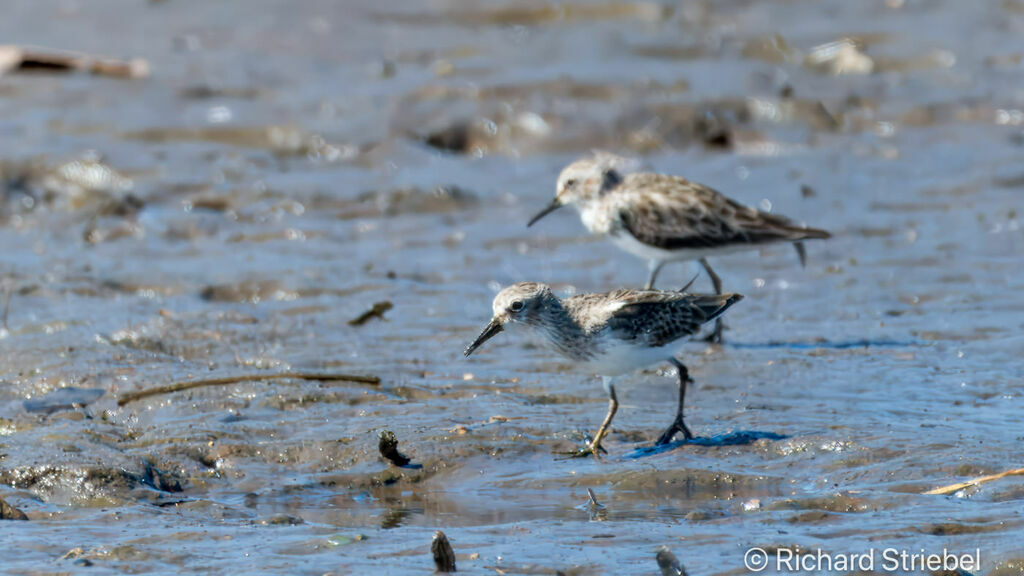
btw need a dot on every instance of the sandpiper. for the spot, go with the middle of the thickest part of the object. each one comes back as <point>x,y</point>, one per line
<point>609,334</point>
<point>664,218</point>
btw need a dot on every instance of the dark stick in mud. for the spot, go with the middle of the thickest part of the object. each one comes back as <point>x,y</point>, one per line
<point>387,444</point>
<point>668,564</point>
<point>377,311</point>
<point>444,556</point>
<point>7,304</point>
<point>223,381</point>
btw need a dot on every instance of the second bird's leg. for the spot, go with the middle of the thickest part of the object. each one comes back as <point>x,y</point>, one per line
<point>654,266</point>
<point>678,425</point>
<point>613,406</point>
<point>715,336</point>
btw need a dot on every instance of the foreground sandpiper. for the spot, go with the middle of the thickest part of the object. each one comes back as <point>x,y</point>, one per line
<point>609,334</point>
<point>664,218</point>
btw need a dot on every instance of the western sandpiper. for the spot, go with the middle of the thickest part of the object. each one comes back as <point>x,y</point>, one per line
<point>609,334</point>
<point>664,218</point>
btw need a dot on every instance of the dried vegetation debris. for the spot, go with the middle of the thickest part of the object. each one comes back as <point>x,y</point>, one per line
<point>22,59</point>
<point>537,13</point>
<point>641,125</point>
<point>376,311</point>
<point>82,185</point>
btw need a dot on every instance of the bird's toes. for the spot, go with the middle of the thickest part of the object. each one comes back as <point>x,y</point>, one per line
<point>676,428</point>
<point>582,452</point>
<point>665,437</point>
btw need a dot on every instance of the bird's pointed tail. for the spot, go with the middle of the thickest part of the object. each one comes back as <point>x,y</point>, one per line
<point>714,305</point>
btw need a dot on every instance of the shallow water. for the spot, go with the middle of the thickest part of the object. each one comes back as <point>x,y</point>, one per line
<point>285,167</point>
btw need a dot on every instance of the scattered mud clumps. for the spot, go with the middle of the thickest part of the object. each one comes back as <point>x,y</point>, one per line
<point>68,398</point>
<point>388,447</point>
<point>249,291</point>
<point>440,200</point>
<point>8,512</point>
<point>159,479</point>
<point>83,185</point>
<point>280,140</point>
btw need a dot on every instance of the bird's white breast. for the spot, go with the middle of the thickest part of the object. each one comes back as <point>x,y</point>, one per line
<point>620,357</point>
<point>627,242</point>
<point>596,217</point>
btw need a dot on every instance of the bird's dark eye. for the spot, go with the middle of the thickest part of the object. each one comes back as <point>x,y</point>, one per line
<point>516,306</point>
<point>570,183</point>
<point>611,178</point>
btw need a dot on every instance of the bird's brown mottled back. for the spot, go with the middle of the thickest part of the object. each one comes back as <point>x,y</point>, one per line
<point>669,212</point>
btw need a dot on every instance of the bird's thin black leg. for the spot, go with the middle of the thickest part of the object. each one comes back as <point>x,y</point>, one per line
<point>678,425</point>
<point>654,266</point>
<point>715,336</point>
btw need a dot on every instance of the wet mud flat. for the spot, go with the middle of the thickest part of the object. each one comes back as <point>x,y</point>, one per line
<point>339,189</point>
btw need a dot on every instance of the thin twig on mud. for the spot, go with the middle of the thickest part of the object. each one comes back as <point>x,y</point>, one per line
<point>225,380</point>
<point>7,304</point>
<point>980,480</point>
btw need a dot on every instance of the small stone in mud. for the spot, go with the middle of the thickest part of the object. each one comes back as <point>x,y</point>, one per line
<point>714,133</point>
<point>388,446</point>
<point>454,138</point>
<point>444,556</point>
<point>810,517</point>
<point>282,520</point>
<point>160,480</point>
<point>668,563</point>
<point>376,311</point>
<point>8,512</point>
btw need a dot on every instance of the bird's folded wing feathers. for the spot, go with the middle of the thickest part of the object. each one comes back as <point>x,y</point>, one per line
<point>678,214</point>
<point>657,318</point>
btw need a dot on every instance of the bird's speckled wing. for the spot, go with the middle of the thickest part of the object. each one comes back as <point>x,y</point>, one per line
<point>651,317</point>
<point>672,213</point>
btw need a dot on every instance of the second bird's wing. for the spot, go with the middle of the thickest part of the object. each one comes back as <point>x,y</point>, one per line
<point>673,213</point>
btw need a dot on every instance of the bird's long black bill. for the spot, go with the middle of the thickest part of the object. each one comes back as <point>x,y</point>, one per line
<point>488,332</point>
<point>555,205</point>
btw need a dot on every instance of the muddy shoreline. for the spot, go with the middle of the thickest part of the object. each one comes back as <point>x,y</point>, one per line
<point>330,188</point>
